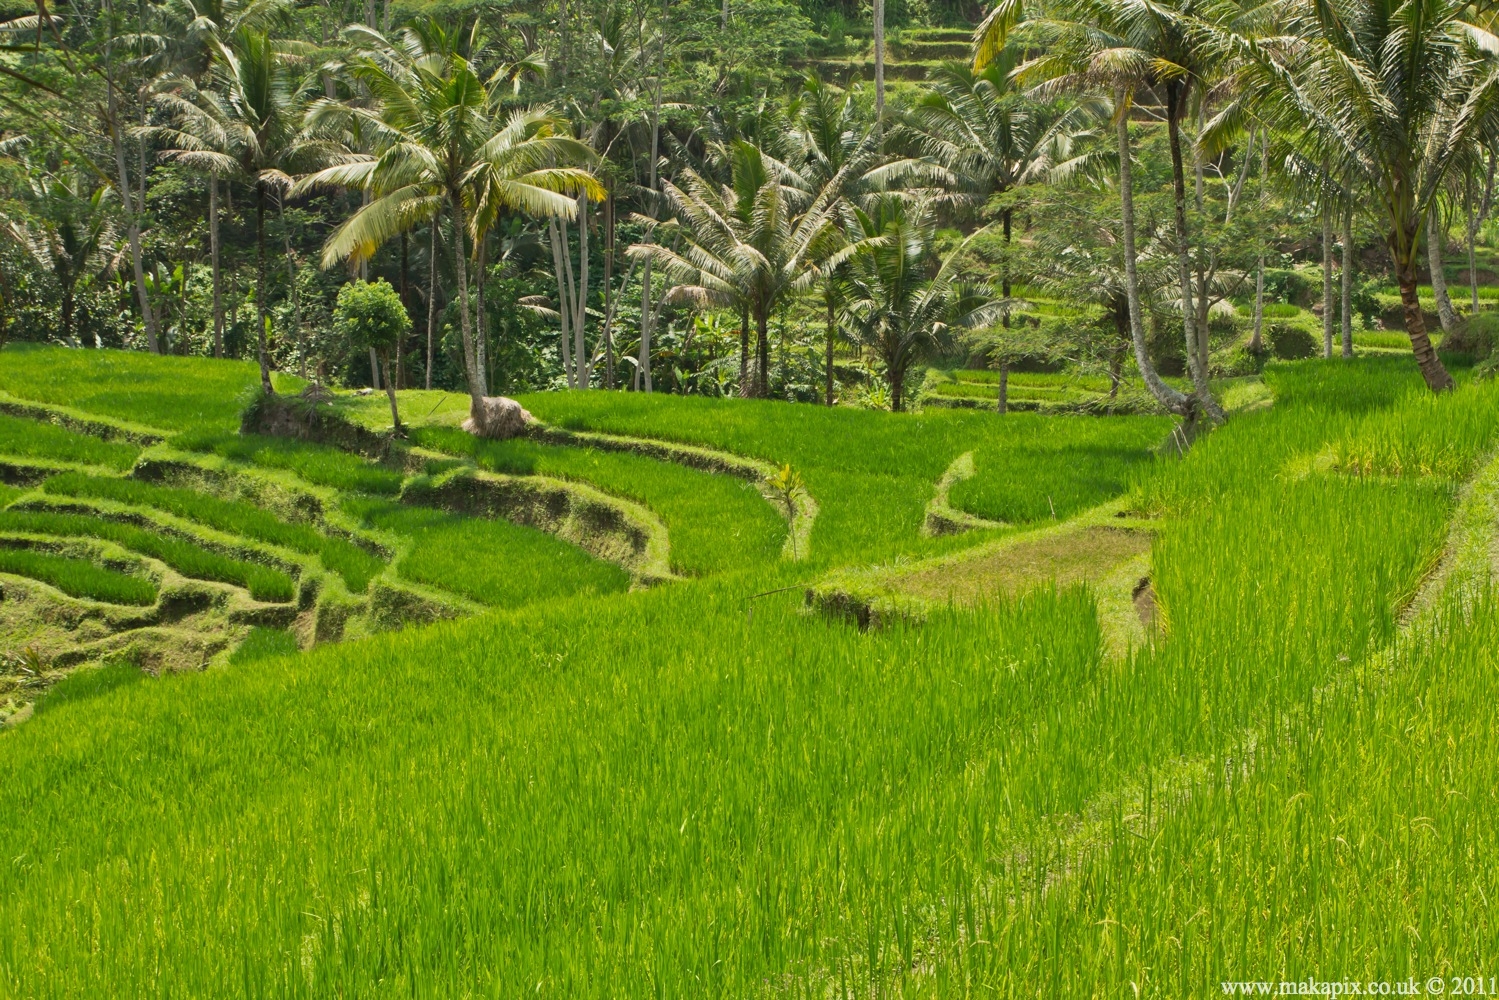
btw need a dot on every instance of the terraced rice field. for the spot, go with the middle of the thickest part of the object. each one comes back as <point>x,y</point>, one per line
<point>633,760</point>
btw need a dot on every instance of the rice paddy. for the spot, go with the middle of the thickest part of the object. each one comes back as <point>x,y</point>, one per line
<point>701,788</point>
<point>77,577</point>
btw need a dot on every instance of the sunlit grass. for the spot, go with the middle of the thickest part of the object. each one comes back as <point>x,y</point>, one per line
<point>348,560</point>
<point>263,582</point>
<point>715,522</point>
<point>78,577</point>
<point>317,464</point>
<point>491,562</point>
<point>22,438</point>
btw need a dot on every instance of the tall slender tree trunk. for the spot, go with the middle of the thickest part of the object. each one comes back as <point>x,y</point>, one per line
<point>390,393</point>
<point>1168,397</point>
<point>762,355</point>
<point>557,233</point>
<point>581,357</point>
<point>1345,313</point>
<point>465,321</point>
<point>647,317</point>
<point>213,252</point>
<point>431,298</point>
<point>1433,371</point>
<point>609,292</point>
<point>1004,270</point>
<point>132,225</point>
<point>1445,313</point>
<point>296,299</point>
<point>1472,240</point>
<point>1257,338</point>
<point>746,387</point>
<point>879,59</point>
<point>828,344</point>
<point>1176,98</point>
<point>481,318</point>
<point>1327,303</point>
<point>406,305</point>
<point>264,318</point>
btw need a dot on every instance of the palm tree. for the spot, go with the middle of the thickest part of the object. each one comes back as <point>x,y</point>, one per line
<point>1091,50</point>
<point>898,307</point>
<point>1392,95</point>
<point>75,239</point>
<point>989,138</point>
<point>1128,47</point>
<point>838,152</point>
<point>446,145</point>
<point>247,126</point>
<point>748,245</point>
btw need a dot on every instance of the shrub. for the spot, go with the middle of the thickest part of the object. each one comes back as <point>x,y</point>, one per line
<point>1476,337</point>
<point>1290,341</point>
<point>1167,344</point>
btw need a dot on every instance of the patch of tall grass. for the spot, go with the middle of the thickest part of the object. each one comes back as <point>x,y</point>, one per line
<point>1080,471</point>
<point>317,464</point>
<point>78,577</point>
<point>354,564</point>
<point>263,643</point>
<point>715,522</point>
<point>172,393</point>
<point>871,473</point>
<point>495,563</point>
<point>22,438</point>
<point>263,582</point>
<point>1425,435</point>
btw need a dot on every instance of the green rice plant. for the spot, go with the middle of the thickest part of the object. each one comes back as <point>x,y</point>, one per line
<point>1079,472</point>
<point>263,582</point>
<point>491,562</point>
<point>89,682</point>
<point>871,473</point>
<point>1424,436</point>
<point>23,438</point>
<point>263,643</point>
<point>714,522</point>
<point>354,564</point>
<point>173,393</point>
<point>317,464</point>
<point>78,577</point>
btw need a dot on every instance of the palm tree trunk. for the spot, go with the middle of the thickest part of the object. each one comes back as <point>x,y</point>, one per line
<point>879,59</point>
<point>1004,270</point>
<point>390,393</point>
<point>1168,397</point>
<point>296,300</point>
<point>746,388</point>
<point>213,251</point>
<point>481,320</point>
<point>762,354</point>
<point>1445,313</point>
<point>133,223</point>
<point>828,373</point>
<point>264,318</point>
<point>1176,97</point>
<point>406,305</point>
<point>1432,370</point>
<point>431,298</point>
<point>465,321</point>
<point>374,370</point>
<point>1327,307</point>
<point>1472,238</point>
<point>897,376</point>
<point>581,358</point>
<point>1257,338</point>
<point>557,233</point>
<point>1345,313</point>
<point>609,293</point>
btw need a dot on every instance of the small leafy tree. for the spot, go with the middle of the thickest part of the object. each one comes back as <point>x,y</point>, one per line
<point>786,489</point>
<point>370,315</point>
